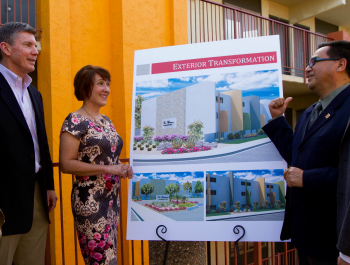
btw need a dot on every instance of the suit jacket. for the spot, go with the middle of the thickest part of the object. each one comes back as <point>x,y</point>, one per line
<point>310,216</point>
<point>17,161</point>
<point>343,195</point>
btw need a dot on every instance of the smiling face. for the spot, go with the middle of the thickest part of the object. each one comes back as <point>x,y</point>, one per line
<point>99,92</point>
<point>321,76</point>
<point>21,56</point>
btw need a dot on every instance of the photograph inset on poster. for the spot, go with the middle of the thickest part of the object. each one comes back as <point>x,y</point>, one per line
<point>250,195</point>
<point>201,160</point>
<point>171,196</point>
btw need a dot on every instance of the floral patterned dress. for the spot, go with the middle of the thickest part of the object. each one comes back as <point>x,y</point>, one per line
<point>95,199</point>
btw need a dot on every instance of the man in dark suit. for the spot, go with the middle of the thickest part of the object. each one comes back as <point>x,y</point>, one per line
<point>26,180</point>
<point>312,153</point>
<point>343,200</point>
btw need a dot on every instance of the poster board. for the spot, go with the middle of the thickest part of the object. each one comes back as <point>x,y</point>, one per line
<point>198,110</point>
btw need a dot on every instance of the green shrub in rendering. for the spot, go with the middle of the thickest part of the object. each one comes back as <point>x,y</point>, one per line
<point>266,205</point>
<point>237,205</point>
<point>217,211</point>
<point>134,148</point>
<point>139,145</point>
<point>177,142</point>
<point>278,204</point>
<point>223,206</point>
<point>149,148</point>
<point>230,136</point>
<point>255,205</point>
<point>231,210</point>
<point>237,135</point>
<point>154,146</point>
<point>195,129</point>
<point>190,142</point>
<point>142,147</point>
<point>148,132</point>
<point>146,145</point>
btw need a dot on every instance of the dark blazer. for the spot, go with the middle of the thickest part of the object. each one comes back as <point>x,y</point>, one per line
<point>17,161</point>
<point>343,195</point>
<point>311,216</point>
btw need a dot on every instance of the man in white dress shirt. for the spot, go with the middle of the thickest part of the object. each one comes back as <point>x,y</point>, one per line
<point>26,177</point>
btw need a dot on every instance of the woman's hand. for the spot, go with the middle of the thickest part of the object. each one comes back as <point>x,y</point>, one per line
<point>122,170</point>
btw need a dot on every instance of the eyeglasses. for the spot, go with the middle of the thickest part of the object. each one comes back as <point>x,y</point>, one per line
<point>314,60</point>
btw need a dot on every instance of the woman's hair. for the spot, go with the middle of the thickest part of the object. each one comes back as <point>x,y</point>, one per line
<point>85,78</point>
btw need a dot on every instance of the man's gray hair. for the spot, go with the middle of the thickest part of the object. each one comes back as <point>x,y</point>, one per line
<point>9,31</point>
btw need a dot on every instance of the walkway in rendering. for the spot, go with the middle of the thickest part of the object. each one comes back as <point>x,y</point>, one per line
<point>274,216</point>
<point>263,152</point>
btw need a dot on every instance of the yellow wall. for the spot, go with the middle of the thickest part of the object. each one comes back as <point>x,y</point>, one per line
<point>278,10</point>
<point>105,33</point>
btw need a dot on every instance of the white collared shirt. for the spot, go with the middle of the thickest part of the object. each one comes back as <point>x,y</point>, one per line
<point>19,87</point>
<point>344,257</point>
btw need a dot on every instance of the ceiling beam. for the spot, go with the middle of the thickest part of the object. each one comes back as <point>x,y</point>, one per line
<point>312,8</point>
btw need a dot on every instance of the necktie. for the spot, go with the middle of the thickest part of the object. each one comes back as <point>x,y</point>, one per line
<point>314,114</point>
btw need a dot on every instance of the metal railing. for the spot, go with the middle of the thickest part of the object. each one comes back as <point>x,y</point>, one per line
<point>210,21</point>
<point>18,10</point>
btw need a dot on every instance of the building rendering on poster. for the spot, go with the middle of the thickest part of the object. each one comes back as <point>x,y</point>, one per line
<point>202,163</point>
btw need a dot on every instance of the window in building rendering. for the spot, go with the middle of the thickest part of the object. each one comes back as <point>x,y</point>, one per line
<point>242,183</point>
<point>216,98</point>
<point>268,195</point>
<point>243,206</point>
<point>243,193</point>
<point>243,104</point>
<point>217,115</point>
<point>249,184</point>
<point>212,179</point>
<point>267,186</point>
<point>221,100</point>
<point>212,207</point>
<point>213,192</point>
<point>222,135</point>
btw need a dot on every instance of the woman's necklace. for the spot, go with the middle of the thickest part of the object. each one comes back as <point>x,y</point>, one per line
<point>97,121</point>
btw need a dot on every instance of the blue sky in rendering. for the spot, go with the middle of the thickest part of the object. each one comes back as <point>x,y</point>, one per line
<point>180,177</point>
<point>270,176</point>
<point>259,83</point>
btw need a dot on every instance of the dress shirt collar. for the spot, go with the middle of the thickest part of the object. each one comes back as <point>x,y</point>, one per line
<point>325,102</point>
<point>14,80</point>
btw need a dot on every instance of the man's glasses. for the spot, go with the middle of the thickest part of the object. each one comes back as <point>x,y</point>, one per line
<point>314,60</point>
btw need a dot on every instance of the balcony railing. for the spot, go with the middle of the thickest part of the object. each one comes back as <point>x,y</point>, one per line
<point>18,10</point>
<point>210,21</point>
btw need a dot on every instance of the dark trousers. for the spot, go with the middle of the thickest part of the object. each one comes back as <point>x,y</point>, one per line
<point>308,260</point>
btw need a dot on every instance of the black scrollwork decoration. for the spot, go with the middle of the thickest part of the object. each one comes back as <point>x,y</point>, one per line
<point>164,230</point>
<point>236,231</point>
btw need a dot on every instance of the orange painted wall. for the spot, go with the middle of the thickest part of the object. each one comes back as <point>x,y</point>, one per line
<point>104,33</point>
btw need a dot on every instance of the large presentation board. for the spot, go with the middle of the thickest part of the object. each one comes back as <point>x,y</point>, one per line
<point>202,164</point>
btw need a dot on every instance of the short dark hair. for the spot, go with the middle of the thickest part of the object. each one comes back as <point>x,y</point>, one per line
<point>9,31</point>
<point>85,78</point>
<point>338,50</point>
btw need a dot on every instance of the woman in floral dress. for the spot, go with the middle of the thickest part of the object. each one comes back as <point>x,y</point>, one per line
<point>90,149</point>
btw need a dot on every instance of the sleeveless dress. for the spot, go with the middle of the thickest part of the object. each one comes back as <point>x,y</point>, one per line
<point>95,199</point>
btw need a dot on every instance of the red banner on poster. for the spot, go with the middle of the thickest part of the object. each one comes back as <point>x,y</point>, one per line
<point>215,62</point>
